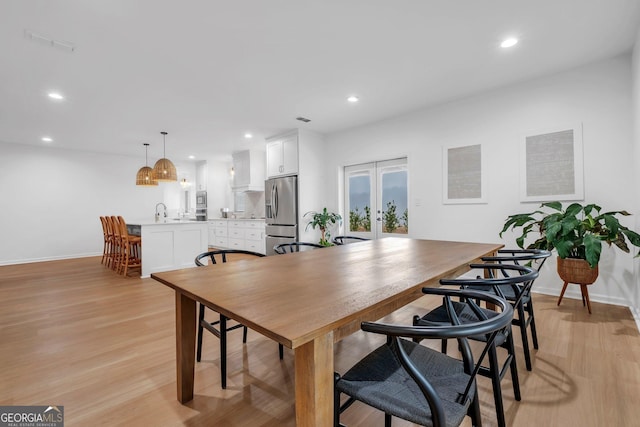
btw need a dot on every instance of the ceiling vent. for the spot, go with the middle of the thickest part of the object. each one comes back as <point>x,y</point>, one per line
<point>45,40</point>
<point>303,119</point>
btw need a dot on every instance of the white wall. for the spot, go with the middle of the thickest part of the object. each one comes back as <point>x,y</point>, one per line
<point>51,200</point>
<point>636,162</point>
<point>598,96</point>
<point>312,182</point>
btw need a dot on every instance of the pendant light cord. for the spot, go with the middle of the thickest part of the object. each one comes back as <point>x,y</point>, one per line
<point>164,144</point>
<point>146,154</point>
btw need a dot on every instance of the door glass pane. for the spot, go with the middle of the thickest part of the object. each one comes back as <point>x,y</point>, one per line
<point>359,202</point>
<point>376,199</point>
<point>395,212</point>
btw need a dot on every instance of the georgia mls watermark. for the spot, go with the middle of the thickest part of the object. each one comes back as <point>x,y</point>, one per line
<point>31,416</point>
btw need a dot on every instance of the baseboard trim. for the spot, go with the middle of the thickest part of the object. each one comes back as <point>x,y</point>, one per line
<point>573,292</point>
<point>44,259</point>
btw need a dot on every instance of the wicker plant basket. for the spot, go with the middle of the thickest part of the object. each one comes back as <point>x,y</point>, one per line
<point>578,271</point>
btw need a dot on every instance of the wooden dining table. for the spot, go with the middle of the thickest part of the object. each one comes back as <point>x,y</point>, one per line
<point>310,300</point>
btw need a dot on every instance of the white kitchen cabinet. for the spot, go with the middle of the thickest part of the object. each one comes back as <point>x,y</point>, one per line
<point>236,234</point>
<point>254,236</point>
<point>218,234</point>
<point>248,167</point>
<point>282,155</point>
<point>236,244</point>
<point>211,240</point>
<point>242,234</point>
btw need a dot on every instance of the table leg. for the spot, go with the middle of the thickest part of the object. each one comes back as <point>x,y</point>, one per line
<point>314,382</point>
<point>185,346</point>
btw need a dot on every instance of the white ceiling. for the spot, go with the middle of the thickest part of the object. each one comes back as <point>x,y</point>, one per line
<point>207,71</point>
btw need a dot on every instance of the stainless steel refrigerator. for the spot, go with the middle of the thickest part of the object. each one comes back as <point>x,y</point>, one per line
<point>281,211</point>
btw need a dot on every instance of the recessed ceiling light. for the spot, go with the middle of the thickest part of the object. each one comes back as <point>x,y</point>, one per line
<point>55,95</point>
<point>248,135</point>
<point>47,139</point>
<point>192,157</point>
<point>509,42</point>
<point>353,98</point>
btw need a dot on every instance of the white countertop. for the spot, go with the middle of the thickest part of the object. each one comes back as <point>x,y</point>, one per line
<point>235,219</point>
<point>165,221</point>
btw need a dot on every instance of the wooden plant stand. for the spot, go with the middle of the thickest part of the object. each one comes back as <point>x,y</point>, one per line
<point>579,272</point>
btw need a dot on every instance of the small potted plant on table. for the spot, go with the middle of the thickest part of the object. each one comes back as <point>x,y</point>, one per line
<point>576,233</point>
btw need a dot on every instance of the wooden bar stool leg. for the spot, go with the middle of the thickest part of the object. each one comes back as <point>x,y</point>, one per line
<point>564,288</point>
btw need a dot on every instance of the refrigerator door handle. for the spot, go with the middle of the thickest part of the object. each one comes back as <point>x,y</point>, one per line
<point>275,199</point>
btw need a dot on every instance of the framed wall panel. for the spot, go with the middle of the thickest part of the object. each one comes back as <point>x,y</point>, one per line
<point>551,165</point>
<point>463,174</point>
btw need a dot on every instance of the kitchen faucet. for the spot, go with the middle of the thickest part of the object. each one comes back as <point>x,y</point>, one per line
<point>158,213</point>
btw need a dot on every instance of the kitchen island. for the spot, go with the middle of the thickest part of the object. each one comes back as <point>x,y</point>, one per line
<point>169,244</point>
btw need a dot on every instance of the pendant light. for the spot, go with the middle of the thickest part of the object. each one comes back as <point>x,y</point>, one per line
<point>164,170</point>
<point>144,177</point>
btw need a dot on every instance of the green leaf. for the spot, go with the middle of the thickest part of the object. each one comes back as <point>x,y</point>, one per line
<point>612,224</point>
<point>633,237</point>
<point>553,229</point>
<point>553,205</point>
<point>564,248</point>
<point>588,208</point>
<point>569,226</point>
<point>573,209</point>
<point>593,246</point>
<point>621,243</point>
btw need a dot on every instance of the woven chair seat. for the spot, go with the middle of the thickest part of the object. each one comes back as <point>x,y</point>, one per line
<point>380,381</point>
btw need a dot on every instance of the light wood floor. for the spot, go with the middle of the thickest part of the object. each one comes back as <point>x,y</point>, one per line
<point>74,333</point>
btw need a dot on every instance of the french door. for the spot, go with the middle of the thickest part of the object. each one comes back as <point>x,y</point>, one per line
<point>376,199</point>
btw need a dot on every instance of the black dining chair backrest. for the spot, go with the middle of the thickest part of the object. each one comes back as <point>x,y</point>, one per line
<point>520,297</point>
<point>220,255</point>
<point>286,248</point>
<point>343,240</point>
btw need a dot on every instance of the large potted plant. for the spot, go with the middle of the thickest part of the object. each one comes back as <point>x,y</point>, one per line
<point>577,234</point>
<point>323,220</point>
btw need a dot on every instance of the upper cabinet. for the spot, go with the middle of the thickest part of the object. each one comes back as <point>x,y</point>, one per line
<point>282,155</point>
<point>248,167</point>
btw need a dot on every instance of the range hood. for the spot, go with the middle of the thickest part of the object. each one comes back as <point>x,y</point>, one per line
<point>249,171</point>
<point>248,189</point>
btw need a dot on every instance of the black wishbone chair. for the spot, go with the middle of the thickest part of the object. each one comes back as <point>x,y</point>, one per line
<point>219,327</point>
<point>520,297</point>
<point>407,380</point>
<point>286,248</point>
<point>497,278</point>
<point>343,240</point>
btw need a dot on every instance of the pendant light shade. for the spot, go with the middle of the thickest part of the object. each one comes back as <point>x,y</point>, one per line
<point>144,177</point>
<point>164,170</point>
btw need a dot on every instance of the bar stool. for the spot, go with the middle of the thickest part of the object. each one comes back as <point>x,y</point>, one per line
<point>130,247</point>
<point>117,242</point>
<point>106,248</point>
